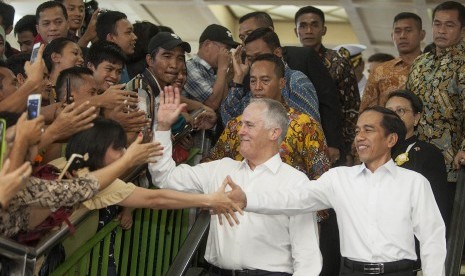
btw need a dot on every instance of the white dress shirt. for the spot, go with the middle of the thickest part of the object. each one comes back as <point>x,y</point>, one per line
<point>378,213</point>
<point>277,243</point>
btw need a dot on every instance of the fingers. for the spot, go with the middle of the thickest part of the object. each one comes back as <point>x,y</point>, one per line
<point>6,167</point>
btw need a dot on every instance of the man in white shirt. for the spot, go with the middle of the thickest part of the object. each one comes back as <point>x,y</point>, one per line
<point>260,245</point>
<point>379,206</point>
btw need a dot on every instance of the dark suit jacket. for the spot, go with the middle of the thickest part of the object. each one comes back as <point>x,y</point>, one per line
<point>308,62</point>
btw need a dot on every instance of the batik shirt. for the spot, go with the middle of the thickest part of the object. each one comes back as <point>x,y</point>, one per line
<point>304,146</point>
<point>343,74</point>
<point>438,78</point>
<point>299,93</point>
<point>386,78</point>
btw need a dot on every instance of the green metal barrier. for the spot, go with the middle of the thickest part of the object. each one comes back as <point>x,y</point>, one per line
<point>148,248</point>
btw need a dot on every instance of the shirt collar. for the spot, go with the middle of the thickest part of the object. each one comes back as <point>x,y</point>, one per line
<point>271,164</point>
<point>205,64</point>
<point>390,167</point>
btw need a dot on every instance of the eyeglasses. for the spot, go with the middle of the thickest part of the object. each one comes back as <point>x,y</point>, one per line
<point>401,111</point>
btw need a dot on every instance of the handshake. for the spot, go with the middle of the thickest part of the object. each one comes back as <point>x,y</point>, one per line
<point>226,202</point>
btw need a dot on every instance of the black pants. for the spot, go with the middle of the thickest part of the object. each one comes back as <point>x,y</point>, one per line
<point>215,271</point>
<point>329,245</point>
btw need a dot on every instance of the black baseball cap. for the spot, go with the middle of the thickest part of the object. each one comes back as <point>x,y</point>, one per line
<point>167,41</point>
<point>215,32</point>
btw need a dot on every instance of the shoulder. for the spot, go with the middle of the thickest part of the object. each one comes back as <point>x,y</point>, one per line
<point>292,175</point>
<point>428,149</point>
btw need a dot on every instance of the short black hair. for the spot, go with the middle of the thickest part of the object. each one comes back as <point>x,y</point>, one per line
<point>106,23</point>
<point>415,101</point>
<point>452,5</point>
<point>277,61</point>
<point>380,57</point>
<point>16,63</point>
<point>49,5</point>
<point>105,51</point>
<point>262,17</point>
<point>7,13</point>
<point>144,31</point>
<point>163,28</point>
<point>391,122</point>
<point>75,75</point>
<point>26,23</point>
<point>55,46</point>
<point>267,35</point>
<point>95,141</point>
<point>309,9</point>
<point>409,15</point>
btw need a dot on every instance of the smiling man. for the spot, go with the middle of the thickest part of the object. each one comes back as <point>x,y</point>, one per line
<point>380,207</point>
<point>52,21</point>
<point>304,146</point>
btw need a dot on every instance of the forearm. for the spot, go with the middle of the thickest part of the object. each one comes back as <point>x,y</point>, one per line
<point>18,153</point>
<point>17,101</point>
<point>218,91</point>
<point>108,174</point>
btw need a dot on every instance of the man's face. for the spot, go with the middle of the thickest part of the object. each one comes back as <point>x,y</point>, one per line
<point>76,13</point>
<point>310,30</point>
<point>447,30</point>
<point>106,74</point>
<point>246,27</point>
<point>125,37</point>
<point>26,41</point>
<point>407,36</point>
<point>264,83</point>
<point>253,134</point>
<point>86,90</point>
<point>256,48</point>
<point>9,83</point>
<point>52,24</point>
<point>373,146</point>
<point>166,65</point>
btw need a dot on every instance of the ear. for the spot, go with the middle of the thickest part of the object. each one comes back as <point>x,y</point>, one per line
<point>55,57</point>
<point>8,30</point>
<point>295,32</point>
<point>422,35</point>
<point>110,38</point>
<point>275,133</point>
<point>392,140</point>
<point>324,30</point>
<point>416,119</point>
<point>148,59</point>
<point>21,79</point>
<point>91,66</point>
<point>282,83</point>
<point>278,52</point>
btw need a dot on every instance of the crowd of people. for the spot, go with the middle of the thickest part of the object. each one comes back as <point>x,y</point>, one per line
<point>332,173</point>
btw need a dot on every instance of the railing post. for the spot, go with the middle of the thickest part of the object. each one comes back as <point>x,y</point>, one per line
<point>457,229</point>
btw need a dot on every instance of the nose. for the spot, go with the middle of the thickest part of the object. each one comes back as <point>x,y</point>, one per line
<point>258,85</point>
<point>241,131</point>
<point>114,74</point>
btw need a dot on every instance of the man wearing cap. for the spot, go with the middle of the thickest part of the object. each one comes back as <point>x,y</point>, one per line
<point>353,52</point>
<point>203,84</point>
<point>165,58</point>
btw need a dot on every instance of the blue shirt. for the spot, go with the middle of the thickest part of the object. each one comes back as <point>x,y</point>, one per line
<point>299,93</point>
<point>200,79</point>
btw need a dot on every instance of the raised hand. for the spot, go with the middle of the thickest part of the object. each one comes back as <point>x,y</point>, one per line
<point>139,153</point>
<point>240,69</point>
<point>170,107</point>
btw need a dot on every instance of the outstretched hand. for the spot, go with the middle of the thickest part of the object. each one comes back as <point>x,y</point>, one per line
<point>236,196</point>
<point>170,107</point>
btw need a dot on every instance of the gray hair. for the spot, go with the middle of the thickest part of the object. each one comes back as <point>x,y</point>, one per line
<point>274,115</point>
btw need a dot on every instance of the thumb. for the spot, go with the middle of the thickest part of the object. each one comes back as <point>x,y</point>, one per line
<point>231,182</point>
<point>139,138</point>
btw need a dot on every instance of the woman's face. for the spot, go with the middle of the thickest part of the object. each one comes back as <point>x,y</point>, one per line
<point>70,56</point>
<point>112,155</point>
<point>403,108</point>
<point>181,78</point>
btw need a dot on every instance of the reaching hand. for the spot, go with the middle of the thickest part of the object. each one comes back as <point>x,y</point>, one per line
<point>12,182</point>
<point>139,153</point>
<point>459,159</point>
<point>29,131</point>
<point>115,96</point>
<point>170,107</point>
<point>133,121</point>
<point>222,205</point>
<point>240,69</point>
<point>206,120</point>
<point>35,71</point>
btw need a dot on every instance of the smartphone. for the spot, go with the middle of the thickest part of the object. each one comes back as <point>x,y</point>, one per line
<point>35,51</point>
<point>68,91</point>
<point>75,161</point>
<point>2,142</point>
<point>33,106</point>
